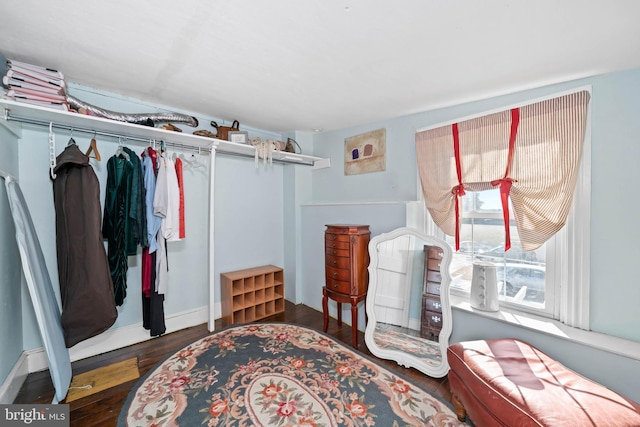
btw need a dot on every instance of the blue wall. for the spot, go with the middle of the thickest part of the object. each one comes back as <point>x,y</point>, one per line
<point>615,230</point>
<point>10,267</point>
<point>615,209</point>
<point>615,152</point>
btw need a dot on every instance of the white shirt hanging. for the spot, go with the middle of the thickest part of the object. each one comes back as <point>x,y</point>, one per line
<point>166,201</point>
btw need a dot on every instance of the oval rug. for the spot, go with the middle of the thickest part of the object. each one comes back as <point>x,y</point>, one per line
<point>277,374</point>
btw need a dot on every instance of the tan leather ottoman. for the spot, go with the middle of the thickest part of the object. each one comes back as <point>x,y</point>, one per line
<point>507,382</point>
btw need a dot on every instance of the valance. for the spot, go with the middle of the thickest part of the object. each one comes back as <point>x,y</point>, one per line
<point>532,153</point>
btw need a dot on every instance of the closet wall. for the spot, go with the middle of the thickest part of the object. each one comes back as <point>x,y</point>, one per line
<point>248,227</point>
<point>11,288</point>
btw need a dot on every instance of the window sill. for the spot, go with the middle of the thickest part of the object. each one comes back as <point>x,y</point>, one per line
<point>552,327</point>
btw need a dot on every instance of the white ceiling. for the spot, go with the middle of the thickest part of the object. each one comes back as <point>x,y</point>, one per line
<point>287,65</point>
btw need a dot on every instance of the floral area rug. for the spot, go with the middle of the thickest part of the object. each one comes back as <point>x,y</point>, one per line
<point>277,374</point>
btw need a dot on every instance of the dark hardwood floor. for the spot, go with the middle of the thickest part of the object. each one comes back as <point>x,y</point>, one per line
<point>103,408</point>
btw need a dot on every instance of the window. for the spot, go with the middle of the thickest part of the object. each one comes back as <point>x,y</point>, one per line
<point>521,274</point>
<point>552,280</point>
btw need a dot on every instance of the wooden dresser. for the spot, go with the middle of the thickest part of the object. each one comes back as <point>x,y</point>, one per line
<point>346,249</point>
<point>431,322</point>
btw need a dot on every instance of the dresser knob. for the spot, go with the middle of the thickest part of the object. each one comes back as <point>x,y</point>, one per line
<point>334,245</point>
<point>335,274</point>
<point>335,252</point>
<point>335,262</point>
<point>335,285</point>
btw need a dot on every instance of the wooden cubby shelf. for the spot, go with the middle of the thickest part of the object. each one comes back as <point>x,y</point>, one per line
<point>251,294</point>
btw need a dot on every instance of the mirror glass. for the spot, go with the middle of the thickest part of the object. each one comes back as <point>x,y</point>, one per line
<point>408,309</point>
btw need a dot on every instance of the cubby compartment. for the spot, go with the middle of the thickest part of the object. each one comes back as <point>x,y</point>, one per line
<point>279,305</point>
<point>259,296</point>
<point>251,294</point>
<point>259,282</point>
<point>260,311</point>
<point>269,294</point>
<point>238,302</point>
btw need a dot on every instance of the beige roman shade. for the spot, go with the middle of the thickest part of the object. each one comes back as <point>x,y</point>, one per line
<point>546,145</point>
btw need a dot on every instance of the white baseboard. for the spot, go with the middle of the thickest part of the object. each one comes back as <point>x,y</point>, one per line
<point>114,339</point>
<point>11,386</point>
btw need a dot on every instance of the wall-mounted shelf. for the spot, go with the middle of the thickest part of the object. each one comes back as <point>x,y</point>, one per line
<point>36,115</point>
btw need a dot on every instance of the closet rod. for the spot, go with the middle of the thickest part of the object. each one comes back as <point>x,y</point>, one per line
<point>274,160</point>
<point>31,121</point>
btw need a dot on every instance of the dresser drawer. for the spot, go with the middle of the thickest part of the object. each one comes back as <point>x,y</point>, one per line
<point>339,286</point>
<point>337,252</point>
<point>432,320</point>
<point>433,264</point>
<point>344,238</point>
<point>338,261</point>
<point>431,303</point>
<point>338,274</point>
<point>336,245</point>
<point>433,288</point>
<point>434,252</point>
<point>434,276</point>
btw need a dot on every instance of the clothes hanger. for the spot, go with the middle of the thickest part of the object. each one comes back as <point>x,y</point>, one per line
<point>120,151</point>
<point>93,148</point>
<point>71,140</point>
<point>195,162</point>
<point>186,163</point>
<point>52,151</point>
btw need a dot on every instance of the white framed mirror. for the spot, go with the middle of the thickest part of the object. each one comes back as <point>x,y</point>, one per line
<point>408,307</point>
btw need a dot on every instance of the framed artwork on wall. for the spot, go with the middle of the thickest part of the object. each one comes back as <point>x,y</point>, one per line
<point>365,153</point>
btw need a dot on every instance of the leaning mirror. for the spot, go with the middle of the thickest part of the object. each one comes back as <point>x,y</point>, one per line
<point>408,309</point>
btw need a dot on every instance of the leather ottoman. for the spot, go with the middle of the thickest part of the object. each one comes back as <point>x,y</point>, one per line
<point>507,382</point>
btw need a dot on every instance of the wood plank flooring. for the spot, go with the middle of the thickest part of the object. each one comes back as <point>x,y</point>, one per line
<point>103,408</point>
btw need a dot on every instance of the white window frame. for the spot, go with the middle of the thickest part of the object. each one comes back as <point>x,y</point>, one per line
<point>548,308</point>
<point>568,252</point>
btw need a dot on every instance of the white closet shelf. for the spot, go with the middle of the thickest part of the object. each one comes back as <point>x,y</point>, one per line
<point>26,113</point>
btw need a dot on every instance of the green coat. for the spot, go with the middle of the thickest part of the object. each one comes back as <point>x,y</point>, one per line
<point>117,226</point>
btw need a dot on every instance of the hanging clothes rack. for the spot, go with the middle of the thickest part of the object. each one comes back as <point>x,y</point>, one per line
<point>94,132</point>
<point>29,114</point>
<point>54,119</point>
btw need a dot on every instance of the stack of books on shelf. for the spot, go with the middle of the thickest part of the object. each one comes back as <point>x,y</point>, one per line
<point>36,85</point>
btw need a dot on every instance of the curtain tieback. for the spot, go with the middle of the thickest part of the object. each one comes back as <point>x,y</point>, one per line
<point>505,188</point>
<point>458,191</point>
<point>506,182</point>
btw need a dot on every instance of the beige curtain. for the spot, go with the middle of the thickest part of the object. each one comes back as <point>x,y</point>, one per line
<point>543,171</point>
